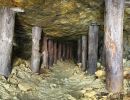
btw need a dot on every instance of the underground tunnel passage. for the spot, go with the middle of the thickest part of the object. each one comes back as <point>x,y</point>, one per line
<point>64,50</point>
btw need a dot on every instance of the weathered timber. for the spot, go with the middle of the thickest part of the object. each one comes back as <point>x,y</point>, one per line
<point>63,51</point>
<point>59,50</point>
<point>67,50</point>
<point>79,51</point>
<point>84,53</point>
<point>113,27</point>
<point>92,48</point>
<point>50,53</point>
<point>70,51</point>
<point>7,21</point>
<point>55,52</point>
<point>45,53</point>
<point>35,59</point>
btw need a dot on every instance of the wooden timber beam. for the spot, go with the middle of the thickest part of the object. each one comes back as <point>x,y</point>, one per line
<point>92,48</point>
<point>84,53</point>
<point>113,27</point>
<point>7,23</point>
<point>35,59</point>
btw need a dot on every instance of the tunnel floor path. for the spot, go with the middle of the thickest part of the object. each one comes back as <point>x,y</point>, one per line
<point>64,81</point>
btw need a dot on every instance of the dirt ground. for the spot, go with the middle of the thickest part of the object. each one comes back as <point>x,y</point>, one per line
<point>65,81</point>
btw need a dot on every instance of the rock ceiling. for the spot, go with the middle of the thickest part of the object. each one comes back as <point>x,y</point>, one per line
<point>58,18</point>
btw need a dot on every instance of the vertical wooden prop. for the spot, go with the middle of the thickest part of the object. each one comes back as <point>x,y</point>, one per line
<point>84,54</point>
<point>67,50</point>
<point>35,59</point>
<point>45,53</point>
<point>63,51</point>
<point>79,51</point>
<point>70,51</point>
<point>7,21</point>
<point>55,52</point>
<point>92,48</point>
<point>59,50</point>
<point>50,53</point>
<point>113,44</point>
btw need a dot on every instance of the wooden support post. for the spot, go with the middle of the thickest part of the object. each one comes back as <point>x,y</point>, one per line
<point>84,54</point>
<point>50,53</point>
<point>92,48</point>
<point>70,51</point>
<point>55,52</point>
<point>45,53</point>
<point>67,50</point>
<point>35,59</point>
<point>7,21</point>
<point>63,51</point>
<point>59,50</point>
<point>79,51</point>
<point>113,27</point>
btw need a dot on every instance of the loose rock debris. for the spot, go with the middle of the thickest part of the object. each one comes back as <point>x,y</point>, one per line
<point>64,81</point>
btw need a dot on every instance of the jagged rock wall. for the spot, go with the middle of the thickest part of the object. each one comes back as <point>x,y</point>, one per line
<point>59,18</point>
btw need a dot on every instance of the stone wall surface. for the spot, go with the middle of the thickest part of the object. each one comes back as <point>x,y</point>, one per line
<point>60,18</point>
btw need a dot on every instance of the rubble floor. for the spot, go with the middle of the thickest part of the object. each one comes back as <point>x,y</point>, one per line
<point>64,81</point>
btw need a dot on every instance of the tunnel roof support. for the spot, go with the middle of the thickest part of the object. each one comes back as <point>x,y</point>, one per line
<point>113,27</point>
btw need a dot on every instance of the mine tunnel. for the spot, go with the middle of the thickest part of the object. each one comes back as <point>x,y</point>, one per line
<point>64,50</point>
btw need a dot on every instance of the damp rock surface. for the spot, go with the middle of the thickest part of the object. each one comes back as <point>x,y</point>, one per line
<point>60,18</point>
<point>64,81</point>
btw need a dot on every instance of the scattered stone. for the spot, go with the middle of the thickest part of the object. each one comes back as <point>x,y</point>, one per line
<point>90,94</point>
<point>100,73</point>
<point>13,80</point>
<point>79,65</point>
<point>7,86</point>
<point>71,98</point>
<point>125,73</point>
<point>24,86</point>
<point>98,65</point>
<point>83,91</point>
<point>124,61</point>
<point>22,65</point>
<point>61,83</point>
<point>52,86</point>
